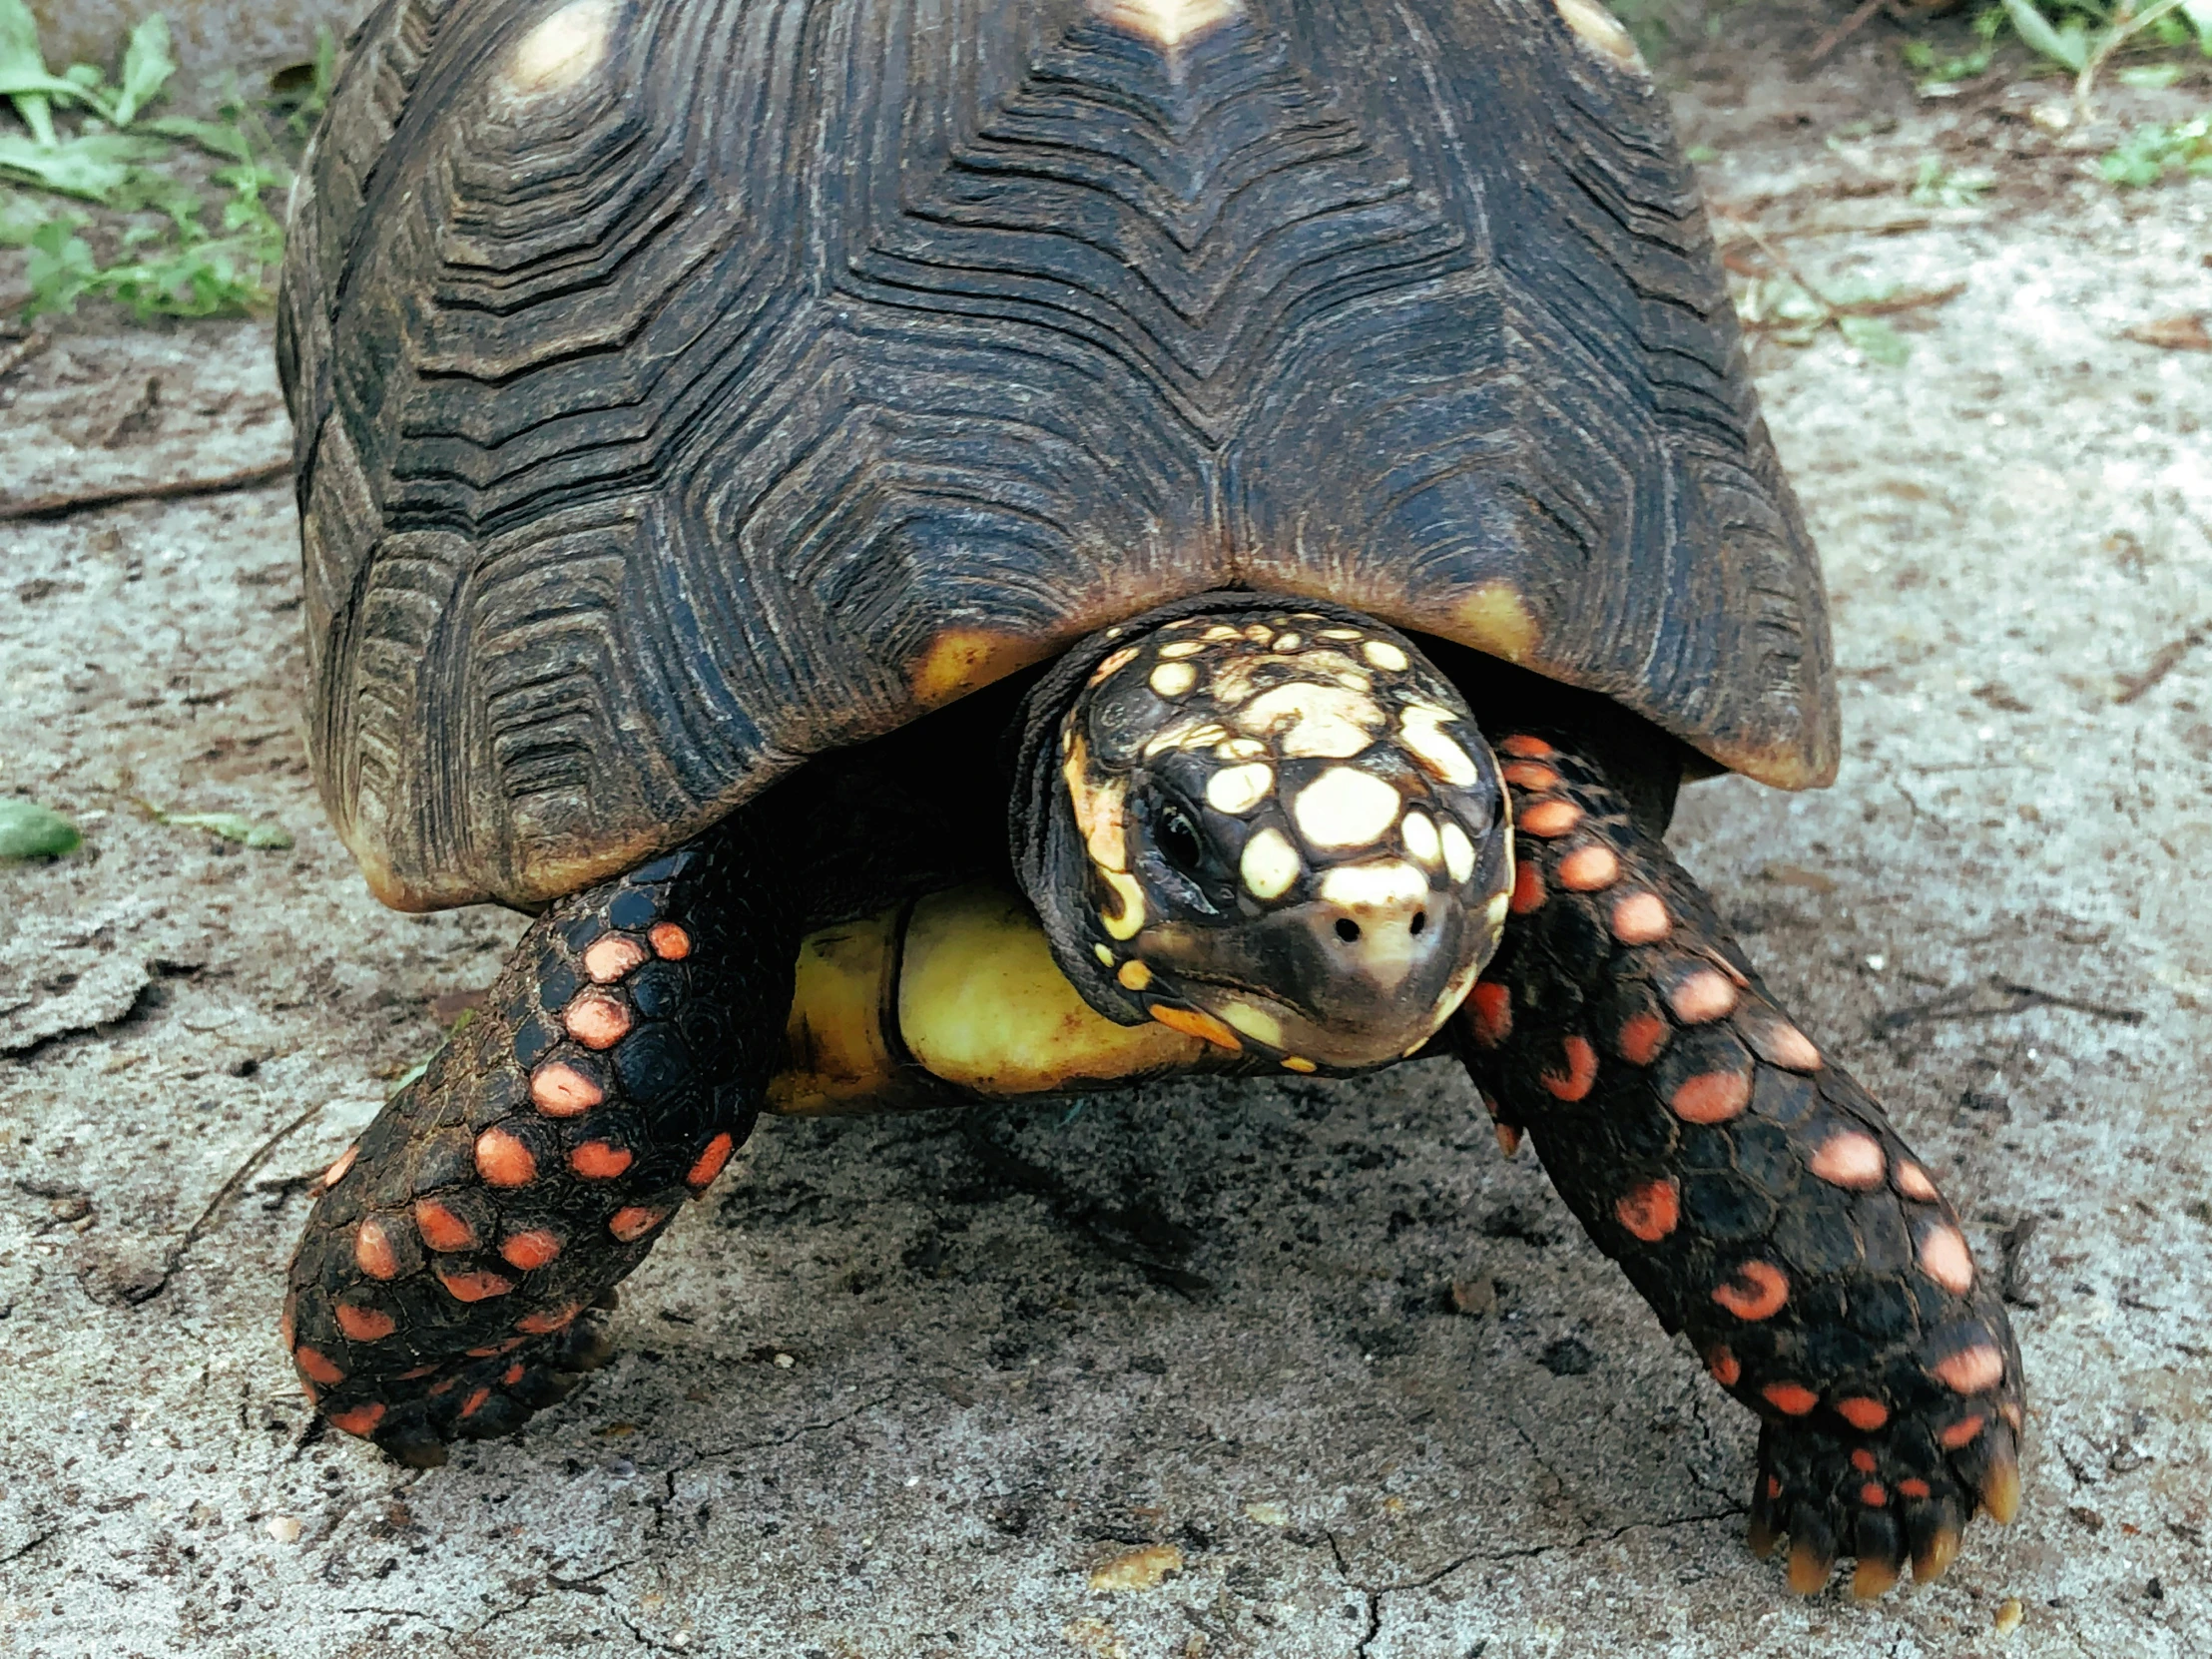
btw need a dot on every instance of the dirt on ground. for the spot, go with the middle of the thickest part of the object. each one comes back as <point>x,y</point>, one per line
<point>1270,1370</point>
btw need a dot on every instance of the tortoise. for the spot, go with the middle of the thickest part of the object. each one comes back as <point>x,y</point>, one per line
<point>952,551</point>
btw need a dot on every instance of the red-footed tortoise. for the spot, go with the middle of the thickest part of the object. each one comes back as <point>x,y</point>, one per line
<point>1290,463</point>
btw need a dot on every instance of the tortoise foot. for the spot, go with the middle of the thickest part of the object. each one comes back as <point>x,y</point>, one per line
<point>444,1285</point>
<point>1755,1195</point>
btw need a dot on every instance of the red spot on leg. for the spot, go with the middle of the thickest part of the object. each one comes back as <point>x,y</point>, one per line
<point>1522,747</point>
<point>1640,918</point>
<point>632,1222</point>
<point>596,1020</point>
<point>317,1366</point>
<point>503,1161</point>
<point>1863,1413</point>
<point>1913,1486</point>
<point>337,1172</point>
<point>1581,1072</point>
<point>1711,1097</point>
<point>1701,997</point>
<point>1791,1398</point>
<point>440,1228</point>
<point>1945,1259</point>
<point>1589,870</point>
<point>559,1090</point>
<point>372,1252</point>
<point>417,1372</point>
<point>1774,1486</point>
<point>1642,1037</point>
<point>1493,1011</point>
<point>1972,1370</point>
<point>1863,1460</point>
<point>1850,1159</point>
<point>1912,1182</point>
<point>511,1375</point>
<point>670,941</point>
<point>363,1420</point>
<point>476,1287</point>
<point>1550,819</point>
<point>1650,1211</point>
<point>1962,1432</point>
<point>1725,1367</point>
<point>550,1320</point>
<point>1530,775</point>
<point>612,957</point>
<point>475,1402</point>
<point>1755,1291</point>
<point>364,1324</point>
<point>711,1160</point>
<point>597,1161</point>
<point>1872,1494</point>
<point>531,1250</point>
<point>1780,1043</point>
<point>1528,889</point>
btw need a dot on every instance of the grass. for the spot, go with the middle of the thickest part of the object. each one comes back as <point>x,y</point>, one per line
<point>113,200</point>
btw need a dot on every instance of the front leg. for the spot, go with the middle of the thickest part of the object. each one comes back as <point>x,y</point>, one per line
<point>1753,1194</point>
<point>444,1283</point>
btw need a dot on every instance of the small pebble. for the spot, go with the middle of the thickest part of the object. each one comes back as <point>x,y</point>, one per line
<point>284,1529</point>
<point>2008,1615</point>
<point>1268,1515</point>
<point>783,1362</point>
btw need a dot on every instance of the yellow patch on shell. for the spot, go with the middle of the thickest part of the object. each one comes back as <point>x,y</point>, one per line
<point>1344,807</point>
<point>1237,790</point>
<point>1164,22</point>
<point>1307,720</point>
<point>1422,727</point>
<point>1130,921</point>
<point>1493,618</point>
<point>1269,865</point>
<point>1600,31</point>
<point>1173,679</point>
<point>561,50</point>
<point>962,660</point>
<point>1458,851</point>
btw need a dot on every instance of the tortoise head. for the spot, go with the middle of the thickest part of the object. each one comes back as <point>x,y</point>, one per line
<point>1280,831</point>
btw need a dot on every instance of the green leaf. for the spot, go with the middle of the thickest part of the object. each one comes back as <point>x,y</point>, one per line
<point>1875,340</point>
<point>218,138</point>
<point>93,165</point>
<point>2151,76</point>
<point>2068,46</point>
<point>147,65</point>
<point>59,269</point>
<point>29,831</point>
<point>231,826</point>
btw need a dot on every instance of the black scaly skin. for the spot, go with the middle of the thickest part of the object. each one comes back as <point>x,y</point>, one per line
<point>434,1180</point>
<point>1864,1320</point>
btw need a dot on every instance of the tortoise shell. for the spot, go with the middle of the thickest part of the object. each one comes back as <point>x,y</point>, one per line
<point>686,388</point>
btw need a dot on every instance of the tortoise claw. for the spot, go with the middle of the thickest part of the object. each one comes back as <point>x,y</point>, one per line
<point>1761,1537</point>
<point>1811,1566</point>
<point>2001,1490</point>
<point>1933,1558</point>
<point>1874,1578</point>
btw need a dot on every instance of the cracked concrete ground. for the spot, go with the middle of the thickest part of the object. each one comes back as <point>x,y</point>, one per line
<point>1287,1369</point>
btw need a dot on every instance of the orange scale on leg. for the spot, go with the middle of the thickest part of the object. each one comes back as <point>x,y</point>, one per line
<point>476,1287</point>
<point>1641,918</point>
<point>1872,1494</point>
<point>1550,819</point>
<point>1725,1367</point>
<point>511,1375</point>
<point>1650,1212</point>
<point>1492,1003</point>
<point>337,1170</point>
<point>441,1229</point>
<point>1850,1160</point>
<point>1642,1037</point>
<point>559,1090</point>
<point>372,1252</point>
<point>597,1160</point>
<point>1522,747</point>
<point>1913,1486</point>
<point>1791,1398</point>
<point>418,1373</point>
<point>1971,1370</point>
<point>1863,1413</point>
<point>1530,775</point>
<point>710,1159</point>
<point>362,1420</point>
<point>670,941</point>
<point>1528,889</point>
<point>548,1319</point>
<point>503,1161</point>
<point>1581,1072</point>
<point>364,1324</point>
<point>596,1020</point>
<point>1961,1434</point>
<point>1711,1097</point>
<point>633,1221</point>
<point>475,1402</point>
<point>1755,1291</point>
<point>317,1366</point>
<point>1944,1257</point>
<point>1863,1460</point>
<point>1589,870</point>
<point>612,956</point>
<point>530,1251</point>
<point>1702,997</point>
<point>1913,1181</point>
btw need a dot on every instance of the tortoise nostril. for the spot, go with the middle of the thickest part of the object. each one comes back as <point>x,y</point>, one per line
<point>1348,930</point>
<point>1421,920</point>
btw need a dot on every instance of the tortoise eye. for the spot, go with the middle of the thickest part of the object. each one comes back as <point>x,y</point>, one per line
<point>1179,841</point>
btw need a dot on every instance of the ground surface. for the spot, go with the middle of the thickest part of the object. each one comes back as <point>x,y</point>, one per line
<point>903,1386</point>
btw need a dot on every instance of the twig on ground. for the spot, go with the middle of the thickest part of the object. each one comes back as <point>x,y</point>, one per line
<point>2019,1000</point>
<point>2167,659</point>
<point>69,505</point>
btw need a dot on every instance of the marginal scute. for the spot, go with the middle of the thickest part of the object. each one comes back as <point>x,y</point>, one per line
<point>1601,32</point>
<point>560,51</point>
